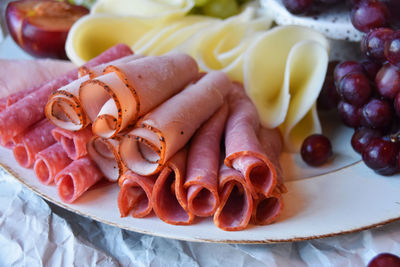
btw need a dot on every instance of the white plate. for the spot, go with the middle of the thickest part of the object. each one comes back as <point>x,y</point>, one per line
<point>334,21</point>
<point>340,197</point>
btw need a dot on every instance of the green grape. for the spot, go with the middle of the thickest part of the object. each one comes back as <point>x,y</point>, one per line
<point>221,8</point>
<point>200,2</point>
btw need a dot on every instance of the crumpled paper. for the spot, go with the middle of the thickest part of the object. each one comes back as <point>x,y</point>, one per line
<point>34,232</point>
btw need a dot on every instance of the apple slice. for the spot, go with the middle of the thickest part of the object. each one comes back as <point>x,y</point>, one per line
<point>41,27</point>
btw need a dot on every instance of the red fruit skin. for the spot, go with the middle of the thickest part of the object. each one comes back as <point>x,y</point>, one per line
<point>385,260</point>
<point>387,81</point>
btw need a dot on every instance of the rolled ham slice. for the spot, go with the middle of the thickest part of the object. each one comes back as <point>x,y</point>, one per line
<point>267,209</point>
<point>76,179</point>
<point>32,142</point>
<point>104,152</point>
<point>49,162</point>
<point>203,165</point>
<point>126,91</point>
<point>235,210</point>
<point>135,193</point>
<point>74,143</point>
<point>29,110</point>
<point>243,149</point>
<point>165,130</point>
<point>169,197</point>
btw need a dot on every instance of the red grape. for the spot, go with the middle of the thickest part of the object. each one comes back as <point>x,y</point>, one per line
<point>369,15</point>
<point>344,68</point>
<point>298,6</point>
<point>328,97</point>
<point>396,104</point>
<point>392,49</point>
<point>316,149</point>
<point>385,260</point>
<point>373,44</point>
<point>371,68</point>
<point>377,113</point>
<point>387,81</point>
<point>362,136</point>
<point>354,88</point>
<point>381,156</point>
<point>350,115</point>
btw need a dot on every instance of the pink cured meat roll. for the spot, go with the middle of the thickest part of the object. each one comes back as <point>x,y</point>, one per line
<point>115,100</point>
<point>235,210</point>
<point>64,108</point>
<point>76,179</point>
<point>104,152</point>
<point>243,149</point>
<point>49,162</point>
<point>203,165</point>
<point>32,142</point>
<point>74,143</point>
<point>169,197</point>
<point>166,129</point>
<point>29,110</point>
<point>135,193</point>
<point>267,209</point>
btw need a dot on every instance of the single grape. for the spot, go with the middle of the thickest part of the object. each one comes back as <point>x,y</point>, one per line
<point>362,137</point>
<point>344,68</point>
<point>221,8</point>
<point>370,68</point>
<point>298,6</point>
<point>387,81</point>
<point>350,115</point>
<point>316,149</point>
<point>381,156</point>
<point>354,88</point>
<point>392,49</point>
<point>373,43</point>
<point>377,113</point>
<point>385,260</point>
<point>369,15</point>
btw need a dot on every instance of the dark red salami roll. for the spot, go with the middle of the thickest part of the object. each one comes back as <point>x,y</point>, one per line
<point>29,110</point>
<point>49,162</point>
<point>32,142</point>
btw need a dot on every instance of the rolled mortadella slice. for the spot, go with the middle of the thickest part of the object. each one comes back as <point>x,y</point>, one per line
<point>49,162</point>
<point>165,130</point>
<point>74,143</point>
<point>64,108</point>
<point>126,91</point>
<point>267,209</point>
<point>169,197</point>
<point>104,152</point>
<point>32,142</point>
<point>243,149</point>
<point>30,109</point>
<point>235,210</point>
<point>203,165</point>
<point>99,69</point>
<point>135,193</point>
<point>76,179</point>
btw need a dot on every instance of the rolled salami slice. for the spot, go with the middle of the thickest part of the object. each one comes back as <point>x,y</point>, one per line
<point>104,152</point>
<point>135,194</point>
<point>126,91</point>
<point>166,129</point>
<point>29,110</point>
<point>243,149</point>
<point>169,197</point>
<point>74,143</point>
<point>76,179</point>
<point>203,165</point>
<point>235,210</point>
<point>49,162</point>
<point>32,142</point>
<point>267,209</point>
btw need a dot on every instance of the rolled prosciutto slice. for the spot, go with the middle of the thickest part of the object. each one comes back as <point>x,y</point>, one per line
<point>203,165</point>
<point>104,152</point>
<point>49,162</point>
<point>166,129</point>
<point>236,207</point>
<point>29,110</point>
<point>126,91</point>
<point>76,179</point>
<point>74,143</point>
<point>169,197</point>
<point>243,149</point>
<point>32,142</point>
<point>135,193</point>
